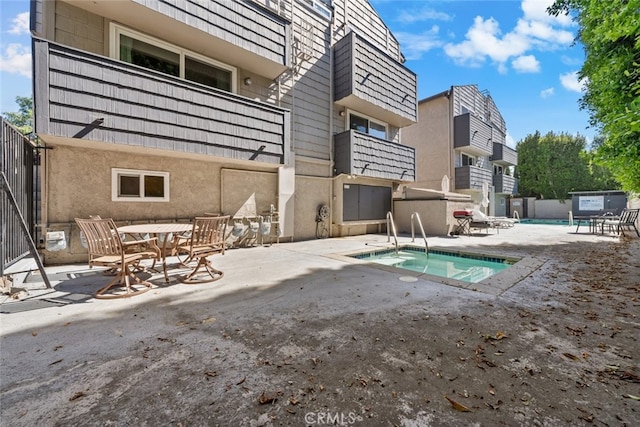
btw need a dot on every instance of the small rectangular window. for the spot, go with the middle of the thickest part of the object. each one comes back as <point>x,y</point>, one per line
<point>468,160</point>
<point>139,186</point>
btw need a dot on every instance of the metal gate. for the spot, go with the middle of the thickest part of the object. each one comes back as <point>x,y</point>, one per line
<point>17,160</point>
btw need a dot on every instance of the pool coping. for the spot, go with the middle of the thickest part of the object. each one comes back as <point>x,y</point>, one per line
<point>497,284</point>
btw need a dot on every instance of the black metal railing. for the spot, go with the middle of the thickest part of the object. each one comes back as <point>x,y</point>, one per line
<point>17,161</point>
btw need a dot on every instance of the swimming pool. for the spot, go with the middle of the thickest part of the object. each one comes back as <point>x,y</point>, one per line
<point>465,267</point>
<point>544,221</point>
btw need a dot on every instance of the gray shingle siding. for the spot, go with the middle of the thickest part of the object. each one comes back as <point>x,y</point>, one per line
<point>143,108</point>
<point>361,154</point>
<point>371,75</point>
<point>237,22</point>
<point>473,134</point>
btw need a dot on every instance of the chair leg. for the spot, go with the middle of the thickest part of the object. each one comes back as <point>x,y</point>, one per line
<point>122,280</point>
<point>203,262</point>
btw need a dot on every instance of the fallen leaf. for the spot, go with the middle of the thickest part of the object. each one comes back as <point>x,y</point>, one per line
<point>211,373</point>
<point>497,337</point>
<point>571,356</point>
<point>34,333</point>
<point>209,320</point>
<point>268,398</point>
<point>631,396</point>
<point>241,381</point>
<point>457,406</point>
<point>77,395</point>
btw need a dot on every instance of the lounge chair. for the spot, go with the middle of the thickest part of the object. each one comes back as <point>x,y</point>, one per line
<point>627,220</point>
<point>481,220</point>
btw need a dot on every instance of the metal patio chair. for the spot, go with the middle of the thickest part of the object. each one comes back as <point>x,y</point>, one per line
<point>207,238</point>
<point>107,249</point>
<point>627,220</point>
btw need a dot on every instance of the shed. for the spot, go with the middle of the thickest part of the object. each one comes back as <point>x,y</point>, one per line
<point>586,203</point>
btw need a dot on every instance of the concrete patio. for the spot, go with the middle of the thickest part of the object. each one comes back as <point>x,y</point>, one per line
<point>54,340</point>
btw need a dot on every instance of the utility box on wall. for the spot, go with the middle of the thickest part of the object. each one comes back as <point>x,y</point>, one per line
<point>598,202</point>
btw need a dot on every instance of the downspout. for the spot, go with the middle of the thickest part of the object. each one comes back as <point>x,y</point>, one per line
<point>331,141</point>
<point>452,169</point>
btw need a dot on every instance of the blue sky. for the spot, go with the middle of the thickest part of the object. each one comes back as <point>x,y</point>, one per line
<point>526,59</point>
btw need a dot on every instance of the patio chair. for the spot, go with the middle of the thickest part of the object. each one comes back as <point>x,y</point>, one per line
<point>107,249</point>
<point>207,238</point>
<point>481,220</point>
<point>627,220</point>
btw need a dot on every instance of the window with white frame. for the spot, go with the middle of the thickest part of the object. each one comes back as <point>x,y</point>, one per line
<point>323,7</point>
<point>368,126</point>
<point>468,160</point>
<point>131,185</point>
<point>139,49</point>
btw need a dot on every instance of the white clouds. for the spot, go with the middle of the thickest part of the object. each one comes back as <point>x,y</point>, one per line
<point>535,30</point>
<point>16,59</point>
<point>483,40</point>
<point>547,93</point>
<point>20,24</point>
<point>570,82</point>
<point>536,10</point>
<point>509,141</point>
<point>414,45</point>
<point>526,64</point>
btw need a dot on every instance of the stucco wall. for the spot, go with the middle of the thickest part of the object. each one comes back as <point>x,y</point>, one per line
<point>431,139</point>
<point>552,209</point>
<point>436,215</point>
<point>80,185</point>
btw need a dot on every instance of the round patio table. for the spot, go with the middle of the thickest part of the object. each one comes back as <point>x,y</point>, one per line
<point>157,230</point>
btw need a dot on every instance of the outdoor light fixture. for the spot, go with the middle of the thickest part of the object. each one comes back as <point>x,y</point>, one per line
<point>341,113</point>
<point>247,81</point>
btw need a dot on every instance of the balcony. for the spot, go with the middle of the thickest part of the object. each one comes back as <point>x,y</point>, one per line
<point>245,34</point>
<point>472,177</point>
<point>504,155</point>
<point>364,155</point>
<point>87,97</point>
<point>472,135</point>
<point>371,82</point>
<point>505,184</point>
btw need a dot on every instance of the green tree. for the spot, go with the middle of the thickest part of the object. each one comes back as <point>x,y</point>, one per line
<point>551,166</point>
<point>610,34</point>
<point>601,176</point>
<point>23,119</point>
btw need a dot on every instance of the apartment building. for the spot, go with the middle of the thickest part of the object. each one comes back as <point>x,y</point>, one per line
<point>163,110</point>
<point>462,135</point>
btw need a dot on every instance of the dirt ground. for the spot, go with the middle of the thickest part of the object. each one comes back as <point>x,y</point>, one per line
<point>559,348</point>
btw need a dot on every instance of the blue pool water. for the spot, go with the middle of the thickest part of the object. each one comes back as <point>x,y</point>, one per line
<point>545,221</point>
<point>464,267</point>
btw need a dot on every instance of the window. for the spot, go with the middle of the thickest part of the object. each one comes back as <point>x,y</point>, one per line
<point>323,7</point>
<point>129,185</point>
<point>368,126</point>
<point>468,160</point>
<point>139,49</point>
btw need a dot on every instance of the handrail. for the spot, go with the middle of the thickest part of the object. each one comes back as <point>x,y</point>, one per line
<point>416,216</point>
<point>391,226</point>
<point>516,215</point>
